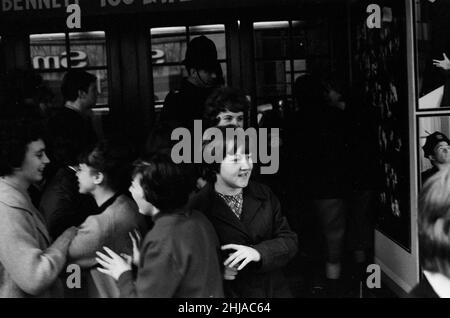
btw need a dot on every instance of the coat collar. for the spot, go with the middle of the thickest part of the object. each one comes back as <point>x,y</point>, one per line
<point>253,199</point>
<point>17,199</point>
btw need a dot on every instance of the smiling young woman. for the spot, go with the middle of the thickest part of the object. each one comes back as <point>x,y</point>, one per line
<point>29,262</point>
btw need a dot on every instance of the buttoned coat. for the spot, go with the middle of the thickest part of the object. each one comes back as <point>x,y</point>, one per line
<point>261,226</point>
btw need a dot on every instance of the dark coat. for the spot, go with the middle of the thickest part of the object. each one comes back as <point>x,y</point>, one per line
<point>263,227</point>
<point>179,259</point>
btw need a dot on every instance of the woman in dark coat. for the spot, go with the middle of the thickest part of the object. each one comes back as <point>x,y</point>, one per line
<point>256,239</point>
<point>180,255</point>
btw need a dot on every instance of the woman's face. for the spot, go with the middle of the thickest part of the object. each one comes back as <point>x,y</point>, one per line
<point>235,169</point>
<point>231,118</point>
<point>86,179</point>
<point>145,207</point>
<point>35,161</point>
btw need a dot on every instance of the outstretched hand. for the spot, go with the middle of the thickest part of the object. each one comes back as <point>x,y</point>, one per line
<point>113,264</point>
<point>444,64</point>
<point>242,255</point>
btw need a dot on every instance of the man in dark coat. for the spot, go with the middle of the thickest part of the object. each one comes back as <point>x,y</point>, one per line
<point>185,105</point>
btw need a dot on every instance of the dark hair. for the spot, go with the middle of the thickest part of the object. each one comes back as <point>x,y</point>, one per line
<point>15,135</point>
<point>434,223</point>
<point>166,185</point>
<point>113,159</point>
<point>74,81</point>
<point>225,144</point>
<point>224,99</point>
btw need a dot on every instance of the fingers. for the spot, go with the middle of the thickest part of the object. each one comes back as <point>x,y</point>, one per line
<point>104,271</point>
<point>126,257</point>
<point>106,265</point>
<point>243,264</point>
<point>230,246</point>
<point>238,259</point>
<point>111,253</point>
<point>103,257</point>
<point>231,258</point>
<point>445,56</point>
<point>138,236</point>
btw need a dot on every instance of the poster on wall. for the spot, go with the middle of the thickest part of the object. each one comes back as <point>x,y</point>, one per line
<point>433,53</point>
<point>380,76</point>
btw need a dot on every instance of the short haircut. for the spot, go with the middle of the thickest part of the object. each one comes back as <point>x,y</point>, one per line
<point>15,135</point>
<point>222,100</point>
<point>113,159</point>
<point>434,223</point>
<point>166,185</point>
<point>74,81</point>
<point>226,145</point>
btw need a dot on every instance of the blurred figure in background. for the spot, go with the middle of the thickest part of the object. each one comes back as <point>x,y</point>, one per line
<point>434,237</point>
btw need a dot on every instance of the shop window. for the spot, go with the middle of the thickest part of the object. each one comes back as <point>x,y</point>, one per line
<point>168,46</point>
<point>284,50</point>
<point>52,55</point>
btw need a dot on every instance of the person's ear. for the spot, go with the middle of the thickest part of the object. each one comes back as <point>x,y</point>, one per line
<point>81,94</point>
<point>98,178</point>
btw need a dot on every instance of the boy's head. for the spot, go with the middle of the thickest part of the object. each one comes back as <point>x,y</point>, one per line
<point>108,165</point>
<point>226,106</point>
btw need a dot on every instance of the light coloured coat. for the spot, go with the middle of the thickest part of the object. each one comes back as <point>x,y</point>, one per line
<point>29,263</point>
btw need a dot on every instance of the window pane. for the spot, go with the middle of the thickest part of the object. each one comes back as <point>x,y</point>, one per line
<point>53,81</point>
<point>166,78</point>
<point>102,86</point>
<point>317,39</point>
<point>271,39</point>
<point>48,51</point>
<point>298,39</point>
<point>168,44</point>
<point>87,49</point>
<point>272,78</point>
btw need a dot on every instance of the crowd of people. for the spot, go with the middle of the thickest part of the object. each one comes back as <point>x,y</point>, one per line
<point>139,225</point>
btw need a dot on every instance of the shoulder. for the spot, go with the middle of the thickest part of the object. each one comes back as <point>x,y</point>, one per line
<point>259,190</point>
<point>201,199</point>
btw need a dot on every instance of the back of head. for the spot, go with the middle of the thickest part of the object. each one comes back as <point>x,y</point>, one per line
<point>201,53</point>
<point>166,185</point>
<point>224,99</point>
<point>114,160</point>
<point>434,223</point>
<point>15,135</point>
<point>74,81</point>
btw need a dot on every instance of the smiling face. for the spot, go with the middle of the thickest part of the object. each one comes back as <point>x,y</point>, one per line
<point>235,171</point>
<point>441,153</point>
<point>231,118</point>
<point>34,162</point>
<point>137,192</point>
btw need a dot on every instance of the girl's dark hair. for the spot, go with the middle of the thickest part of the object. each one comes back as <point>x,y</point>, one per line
<point>222,100</point>
<point>113,159</point>
<point>15,135</point>
<point>166,185</point>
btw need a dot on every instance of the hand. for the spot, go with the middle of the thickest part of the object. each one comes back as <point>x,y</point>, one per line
<point>444,64</point>
<point>244,254</point>
<point>113,265</point>
<point>230,273</point>
<point>136,241</point>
